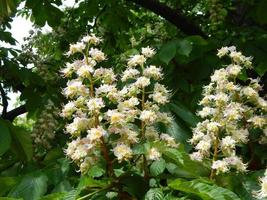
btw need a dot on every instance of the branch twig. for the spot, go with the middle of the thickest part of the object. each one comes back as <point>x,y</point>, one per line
<point>171,15</point>
<point>11,115</point>
<point>4,101</point>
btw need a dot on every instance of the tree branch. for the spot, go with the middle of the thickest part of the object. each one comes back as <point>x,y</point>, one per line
<point>4,101</point>
<point>172,16</point>
<point>12,114</point>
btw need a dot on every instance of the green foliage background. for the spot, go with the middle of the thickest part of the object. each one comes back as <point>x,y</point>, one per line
<point>186,34</point>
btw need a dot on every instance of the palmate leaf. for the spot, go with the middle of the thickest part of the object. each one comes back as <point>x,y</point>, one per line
<point>169,50</point>
<point>172,197</point>
<point>180,128</point>
<point>86,181</point>
<point>17,139</point>
<point>5,139</point>
<point>21,143</point>
<point>7,37</point>
<point>71,195</point>
<point>96,171</point>
<point>7,6</point>
<point>63,186</point>
<point>135,185</point>
<point>31,187</point>
<point>261,68</point>
<point>54,196</point>
<point>245,185</point>
<point>259,12</point>
<point>154,194</point>
<point>184,47</point>
<point>180,164</point>
<point>203,189</point>
<point>43,12</point>
<point>157,167</point>
<point>179,132</point>
<point>185,114</point>
<point>6,183</point>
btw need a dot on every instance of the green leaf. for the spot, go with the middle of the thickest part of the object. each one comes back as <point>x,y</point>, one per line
<point>45,12</point>
<point>100,196</point>
<point>63,186</point>
<point>6,184</point>
<point>96,171</point>
<point>53,154</point>
<point>167,52</point>
<point>243,75</point>
<point>157,167</point>
<point>32,3</point>
<point>182,165</point>
<point>31,187</point>
<point>153,182</point>
<point>180,133</point>
<point>7,7</point>
<point>154,194</point>
<point>244,184</point>
<point>135,185</point>
<point>54,16</point>
<point>259,13</point>
<point>203,189</point>
<point>21,143</point>
<point>72,195</point>
<point>184,47</point>
<point>39,14</point>
<point>5,139</point>
<point>7,37</point>
<point>197,40</point>
<point>33,99</point>
<point>175,155</point>
<point>54,196</point>
<point>58,171</point>
<point>118,172</point>
<point>139,149</point>
<point>171,197</point>
<point>184,113</point>
<point>90,182</point>
<point>261,68</point>
<point>64,164</point>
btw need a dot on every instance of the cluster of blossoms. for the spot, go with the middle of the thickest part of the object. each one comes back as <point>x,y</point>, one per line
<point>217,14</point>
<point>230,110</point>
<point>262,193</point>
<point>45,127</point>
<point>109,117</point>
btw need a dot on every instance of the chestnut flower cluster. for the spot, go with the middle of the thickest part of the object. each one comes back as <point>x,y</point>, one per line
<point>110,114</point>
<point>45,127</point>
<point>230,110</point>
<point>217,14</point>
<point>262,193</point>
